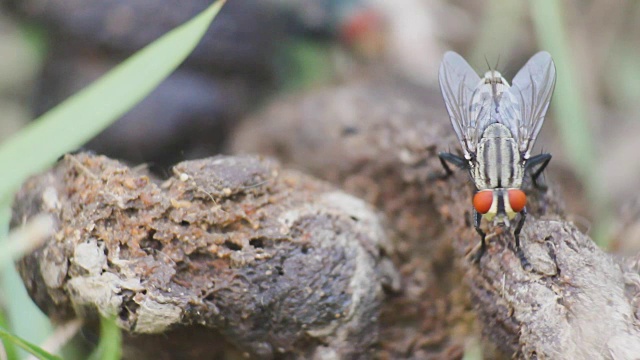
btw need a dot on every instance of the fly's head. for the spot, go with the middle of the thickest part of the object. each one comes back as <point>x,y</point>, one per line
<point>499,205</point>
<point>494,77</point>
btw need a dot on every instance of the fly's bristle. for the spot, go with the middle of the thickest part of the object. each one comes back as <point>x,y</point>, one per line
<point>487,61</point>
<point>470,181</point>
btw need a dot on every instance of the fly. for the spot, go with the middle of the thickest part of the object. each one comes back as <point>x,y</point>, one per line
<point>497,125</point>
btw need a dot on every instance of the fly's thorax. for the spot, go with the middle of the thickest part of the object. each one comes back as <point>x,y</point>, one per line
<point>498,162</point>
<point>499,205</point>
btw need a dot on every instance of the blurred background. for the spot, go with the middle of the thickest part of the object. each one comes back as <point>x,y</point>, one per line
<point>258,50</point>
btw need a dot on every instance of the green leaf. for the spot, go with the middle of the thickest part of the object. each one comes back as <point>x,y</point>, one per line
<point>110,345</point>
<point>9,347</point>
<point>33,349</point>
<point>85,114</point>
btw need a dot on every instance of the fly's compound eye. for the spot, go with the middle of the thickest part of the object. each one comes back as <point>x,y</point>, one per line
<point>482,201</point>
<point>517,199</point>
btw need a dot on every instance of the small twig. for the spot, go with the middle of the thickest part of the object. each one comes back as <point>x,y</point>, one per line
<point>3,352</point>
<point>60,337</point>
<point>82,167</point>
<point>28,237</point>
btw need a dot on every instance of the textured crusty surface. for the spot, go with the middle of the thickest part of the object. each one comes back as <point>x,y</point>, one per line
<point>379,139</point>
<point>235,251</point>
<point>272,261</point>
<point>577,303</point>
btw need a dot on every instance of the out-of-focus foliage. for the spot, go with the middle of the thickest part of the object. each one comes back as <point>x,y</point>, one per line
<point>63,129</point>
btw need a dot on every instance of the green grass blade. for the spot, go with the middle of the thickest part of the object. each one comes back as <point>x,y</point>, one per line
<point>110,345</point>
<point>9,347</point>
<point>568,102</point>
<point>85,114</point>
<point>570,108</point>
<point>33,349</point>
<point>23,315</point>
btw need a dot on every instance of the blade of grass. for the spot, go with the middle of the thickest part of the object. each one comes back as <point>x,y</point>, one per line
<point>85,114</point>
<point>570,108</point>
<point>10,350</point>
<point>110,345</point>
<point>25,317</point>
<point>31,348</point>
<point>568,102</point>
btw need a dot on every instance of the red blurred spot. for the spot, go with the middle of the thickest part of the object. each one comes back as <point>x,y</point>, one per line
<point>361,25</point>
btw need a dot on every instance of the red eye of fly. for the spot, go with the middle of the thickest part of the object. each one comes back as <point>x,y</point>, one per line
<point>482,201</point>
<point>517,199</point>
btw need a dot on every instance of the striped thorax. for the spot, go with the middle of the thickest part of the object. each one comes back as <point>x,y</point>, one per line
<point>497,173</point>
<point>498,163</point>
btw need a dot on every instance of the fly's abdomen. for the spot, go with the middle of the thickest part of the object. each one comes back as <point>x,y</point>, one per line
<point>498,160</point>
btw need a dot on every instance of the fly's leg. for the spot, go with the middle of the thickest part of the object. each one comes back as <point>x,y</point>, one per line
<point>542,159</point>
<point>523,260</point>
<point>483,244</point>
<point>450,158</point>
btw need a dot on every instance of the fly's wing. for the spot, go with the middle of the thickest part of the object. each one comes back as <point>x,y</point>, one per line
<point>458,82</point>
<point>524,107</point>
